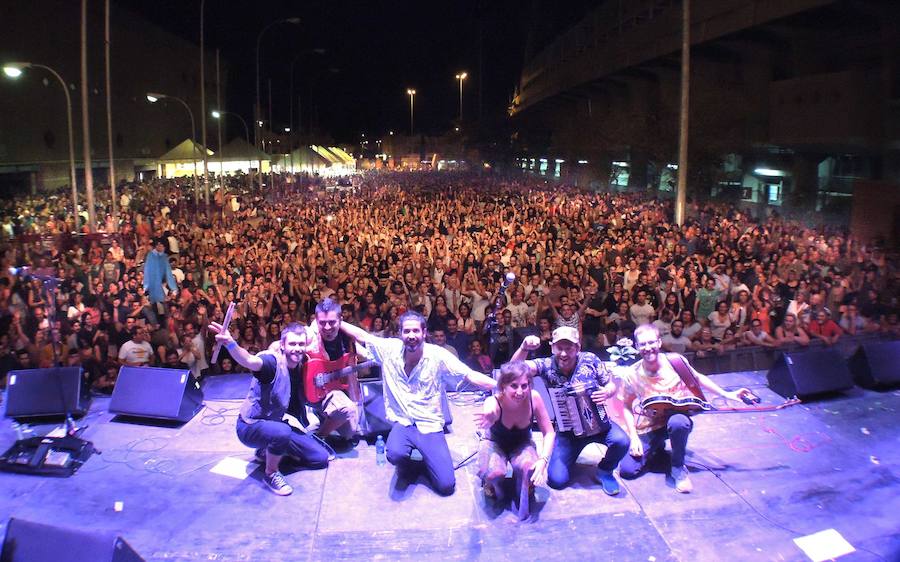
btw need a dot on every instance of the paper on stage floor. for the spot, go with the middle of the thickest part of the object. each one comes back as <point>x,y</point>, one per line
<point>824,545</point>
<point>233,468</point>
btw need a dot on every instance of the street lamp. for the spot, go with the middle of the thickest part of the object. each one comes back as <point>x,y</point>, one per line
<point>258,116</point>
<point>154,97</point>
<point>461,76</point>
<point>412,96</point>
<point>15,70</point>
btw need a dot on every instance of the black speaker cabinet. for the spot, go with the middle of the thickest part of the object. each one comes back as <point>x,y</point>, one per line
<point>374,420</point>
<point>809,373</point>
<point>161,394</point>
<point>877,365</point>
<point>46,392</point>
<point>36,542</point>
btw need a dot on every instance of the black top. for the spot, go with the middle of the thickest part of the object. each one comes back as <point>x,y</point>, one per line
<point>266,374</point>
<point>511,438</point>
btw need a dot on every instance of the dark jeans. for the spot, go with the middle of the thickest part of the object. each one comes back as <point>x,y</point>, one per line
<point>279,438</point>
<point>677,430</point>
<point>568,447</point>
<point>435,454</point>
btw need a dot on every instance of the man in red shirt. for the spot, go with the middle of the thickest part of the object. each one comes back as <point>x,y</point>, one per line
<point>824,328</point>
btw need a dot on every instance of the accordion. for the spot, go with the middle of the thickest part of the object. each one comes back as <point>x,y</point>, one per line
<point>574,410</point>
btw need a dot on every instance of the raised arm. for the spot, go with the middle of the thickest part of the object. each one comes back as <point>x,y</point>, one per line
<point>357,333</point>
<point>241,355</point>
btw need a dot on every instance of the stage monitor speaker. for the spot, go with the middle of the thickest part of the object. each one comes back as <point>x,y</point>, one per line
<point>875,365</point>
<point>373,418</point>
<point>26,541</point>
<point>46,392</point>
<point>809,373</point>
<point>162,394</point>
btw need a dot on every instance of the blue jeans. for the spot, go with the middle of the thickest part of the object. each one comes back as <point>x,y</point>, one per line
<point>568,447</point>
<point>435,454</point>
<point>678,429</point>
<point>279,438</point>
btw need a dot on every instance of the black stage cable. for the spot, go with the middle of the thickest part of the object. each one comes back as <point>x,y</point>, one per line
<point>466,460</point>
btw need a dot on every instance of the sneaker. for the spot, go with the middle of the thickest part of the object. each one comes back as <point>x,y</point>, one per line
<point>277,484</point>
<point>608,482</point>
<point>682,480</point>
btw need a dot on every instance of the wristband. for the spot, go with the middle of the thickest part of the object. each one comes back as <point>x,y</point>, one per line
<point>230,346</point>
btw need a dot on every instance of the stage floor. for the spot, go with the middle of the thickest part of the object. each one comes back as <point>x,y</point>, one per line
<point>760,481</point>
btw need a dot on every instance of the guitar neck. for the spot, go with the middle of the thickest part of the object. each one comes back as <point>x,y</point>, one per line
<point>328,377</point>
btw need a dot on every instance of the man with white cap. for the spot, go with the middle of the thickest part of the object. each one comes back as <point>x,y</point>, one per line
<point>571,366</point>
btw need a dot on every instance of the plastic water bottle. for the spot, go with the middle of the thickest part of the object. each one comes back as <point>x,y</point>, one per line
<point>380,459</point>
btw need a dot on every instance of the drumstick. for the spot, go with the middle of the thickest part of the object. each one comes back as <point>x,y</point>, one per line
<point>218,346</point>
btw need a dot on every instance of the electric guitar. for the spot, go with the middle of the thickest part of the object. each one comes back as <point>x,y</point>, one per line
<point>321,377</point>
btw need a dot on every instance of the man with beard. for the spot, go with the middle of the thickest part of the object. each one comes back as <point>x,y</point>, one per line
<point>675,340</point>
<point>413,373</point>
<point>337,411</point>
<point>655,375</point>
<point>273,416</point>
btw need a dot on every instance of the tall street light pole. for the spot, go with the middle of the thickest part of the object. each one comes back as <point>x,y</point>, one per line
<point>14,70</point>
<point>154,97</point>
<point>219,123</point>
<point>218,115</point>
<point>412,96</point>
<point>203,108</point>
<point>258,117</point>
<point>86,124</point>
<point>461,76</point>
<point>681,194</point>
<point>109,127</point>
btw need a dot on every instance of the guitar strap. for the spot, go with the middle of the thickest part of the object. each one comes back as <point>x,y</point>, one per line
<point>686,375</point>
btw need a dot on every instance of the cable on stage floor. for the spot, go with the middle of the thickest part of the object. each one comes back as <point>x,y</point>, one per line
<point>218,417</point>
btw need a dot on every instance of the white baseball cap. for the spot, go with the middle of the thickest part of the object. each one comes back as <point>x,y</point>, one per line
<point>565,333</point>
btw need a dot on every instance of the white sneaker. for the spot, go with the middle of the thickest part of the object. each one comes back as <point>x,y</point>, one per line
<point>278,484</point>
<point>682,480</point>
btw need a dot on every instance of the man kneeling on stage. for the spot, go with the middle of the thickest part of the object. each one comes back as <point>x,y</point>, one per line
<point>657,375</point>
<point>413,373</point>
<point>273,417</point>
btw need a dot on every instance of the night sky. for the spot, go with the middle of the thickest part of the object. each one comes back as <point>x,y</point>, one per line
<point>374,51</point>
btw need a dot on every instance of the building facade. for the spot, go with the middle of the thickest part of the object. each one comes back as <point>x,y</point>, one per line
<point>33,130</point>
<point>792,102</point>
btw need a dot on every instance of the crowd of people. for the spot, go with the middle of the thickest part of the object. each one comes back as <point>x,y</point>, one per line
<point>437,243</point>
